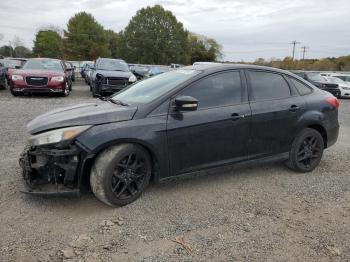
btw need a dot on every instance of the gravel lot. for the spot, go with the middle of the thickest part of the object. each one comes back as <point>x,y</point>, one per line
<point>264,213</point>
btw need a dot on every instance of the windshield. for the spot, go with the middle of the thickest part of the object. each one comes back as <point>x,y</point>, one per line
<point>112,65</point>
<point>150,89</point>
<point>43,64</point>
<point>315,77</point>
<point>11,63</point>
<point>335,80</point>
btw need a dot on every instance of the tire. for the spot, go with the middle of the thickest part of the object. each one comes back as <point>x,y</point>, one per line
<point>4,86</point>
<point>94,89</point>
<point>306,151</point>
<point>14,93</point>
<point>66,90</point>
<point>120,174</point>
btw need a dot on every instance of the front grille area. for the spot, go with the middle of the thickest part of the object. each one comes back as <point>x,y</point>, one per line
<point>36,80</point>
<point>331,86</point>
<point>117,81</point>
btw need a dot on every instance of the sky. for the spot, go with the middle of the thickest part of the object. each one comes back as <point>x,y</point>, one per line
<point>246,29</point>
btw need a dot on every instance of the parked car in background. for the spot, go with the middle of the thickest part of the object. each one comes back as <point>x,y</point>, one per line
<point>12,64</point>
<point>41,75</point>
<point>177,123</point>
<point>84,68</point>
<point>3,76</point>
<point>71,69</point>
<point>109,76</point>
<point>139,71</point>
<point>87,74</point>
<point>343,86</point>
<point>319,81</point>
<point>345,78</point>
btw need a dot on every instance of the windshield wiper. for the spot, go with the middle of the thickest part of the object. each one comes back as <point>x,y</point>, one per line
<point>118,102</point>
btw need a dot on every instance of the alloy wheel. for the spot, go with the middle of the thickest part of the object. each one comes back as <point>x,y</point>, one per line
<point>310,151</point>
<point>129,175</point>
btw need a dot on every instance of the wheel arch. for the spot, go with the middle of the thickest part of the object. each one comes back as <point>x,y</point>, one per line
<point>87,165</point>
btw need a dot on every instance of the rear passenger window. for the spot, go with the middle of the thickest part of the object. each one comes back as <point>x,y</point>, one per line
<point>218,90</point>
<point>265,85</point>
<point>302,88</point>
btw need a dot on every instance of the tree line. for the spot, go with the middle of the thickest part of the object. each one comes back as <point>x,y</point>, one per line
<point>341,63</point>
<point>152,36</point>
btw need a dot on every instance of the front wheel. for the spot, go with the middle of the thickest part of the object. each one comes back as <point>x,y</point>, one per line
<point>66,90</point>
<point>120,174</point>
<point>306,152</point>
<point>94,89</point>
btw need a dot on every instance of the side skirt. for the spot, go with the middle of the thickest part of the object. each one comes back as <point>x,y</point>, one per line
<point>249,163</point>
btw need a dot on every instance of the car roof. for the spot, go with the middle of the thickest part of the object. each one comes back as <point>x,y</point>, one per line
<point>218,67</point>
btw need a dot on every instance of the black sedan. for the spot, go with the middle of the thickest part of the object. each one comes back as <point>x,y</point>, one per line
<point>177,123</point>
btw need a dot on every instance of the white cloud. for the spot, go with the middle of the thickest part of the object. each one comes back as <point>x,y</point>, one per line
<point>247,29</point>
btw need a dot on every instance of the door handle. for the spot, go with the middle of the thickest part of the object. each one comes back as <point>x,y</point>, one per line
<point>294,108</point>
<point>236,116</point>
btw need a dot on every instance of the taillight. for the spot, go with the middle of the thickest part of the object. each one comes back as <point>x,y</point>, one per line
<point>333,101</point>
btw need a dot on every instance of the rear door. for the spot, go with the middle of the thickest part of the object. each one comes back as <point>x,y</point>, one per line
<point>276,108</point>
<point>217,132</point>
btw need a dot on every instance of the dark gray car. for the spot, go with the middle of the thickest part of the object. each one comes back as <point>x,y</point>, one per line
<point>110,76</point>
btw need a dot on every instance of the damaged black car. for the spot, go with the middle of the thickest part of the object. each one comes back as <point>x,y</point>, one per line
<point>109,76</point>
<point>178,123</point>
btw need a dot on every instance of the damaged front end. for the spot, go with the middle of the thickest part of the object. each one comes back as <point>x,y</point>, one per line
<point>53,162</point>
<point>50,169</point>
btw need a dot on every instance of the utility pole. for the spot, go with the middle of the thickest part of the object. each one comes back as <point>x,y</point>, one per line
<point>294,43</point>
<point>304,48</point>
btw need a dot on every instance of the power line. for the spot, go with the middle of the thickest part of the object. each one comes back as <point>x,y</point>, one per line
<point>294,43</point>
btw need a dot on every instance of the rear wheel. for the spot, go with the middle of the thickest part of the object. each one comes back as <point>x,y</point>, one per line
<point>306,152</point>
<point>120,174</point>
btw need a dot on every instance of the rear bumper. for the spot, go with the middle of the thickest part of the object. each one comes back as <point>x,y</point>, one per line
<point>51,171</point>
<point>332,135</point>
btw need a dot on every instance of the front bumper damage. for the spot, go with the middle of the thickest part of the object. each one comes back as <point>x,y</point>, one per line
<point>51,170</point>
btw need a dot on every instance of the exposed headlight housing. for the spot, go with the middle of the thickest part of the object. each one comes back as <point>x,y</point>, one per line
<point>132,79</point>
<point>57,78</point>
<point>57,135</point>
<point>16,77</point>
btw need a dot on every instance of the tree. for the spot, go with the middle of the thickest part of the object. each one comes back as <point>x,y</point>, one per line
<point>22,51</point>
<point>113,40</point>
<point>85,39</point>
<point>48,43</point>
<point>154,36</point>
<point>203,49</point>
<point>6,50</point>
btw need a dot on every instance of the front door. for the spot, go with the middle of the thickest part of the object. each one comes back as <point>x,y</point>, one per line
<point>217,132</point>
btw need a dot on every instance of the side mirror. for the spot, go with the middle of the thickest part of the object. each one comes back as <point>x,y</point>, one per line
<point>17,67</point>
<point>92,67</point>
<point>186,103</point>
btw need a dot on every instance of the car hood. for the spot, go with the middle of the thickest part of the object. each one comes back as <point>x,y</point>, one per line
<point>100,112</point>
<point>107,73</point>
<point>25,72</point>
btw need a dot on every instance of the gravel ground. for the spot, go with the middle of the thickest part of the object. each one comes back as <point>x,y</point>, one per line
<point>264,213</point>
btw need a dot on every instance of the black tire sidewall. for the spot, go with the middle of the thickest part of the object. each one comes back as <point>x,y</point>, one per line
<point>107,173</point>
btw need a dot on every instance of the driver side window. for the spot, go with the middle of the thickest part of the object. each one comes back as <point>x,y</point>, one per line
<point>218,90</point>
